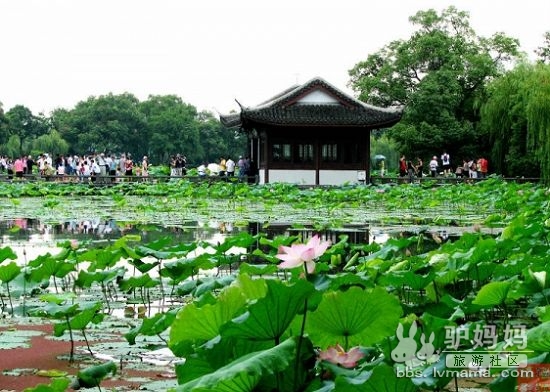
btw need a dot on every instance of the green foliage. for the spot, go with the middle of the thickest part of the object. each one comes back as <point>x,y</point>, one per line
<point>9,272</point>
<point>150,326</point>
<point>245,373</point>
<point>7,253</point>
<point>387,147</point>
<point>438,74</point>
<point>52,142</point>
<point>58,384</point>
<point>516,117</point>
<point>159,127</point>
<point>93,375</point>
<point>492,294</point>
<point>22,128</point>
<point>544,51</point>
<point>355,316</point>
<point>85,314</point>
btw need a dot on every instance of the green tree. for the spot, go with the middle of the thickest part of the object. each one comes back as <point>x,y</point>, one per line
<point>52,143</point>
<point>219,141</point>
<point>171,128</point>
<point>23,123</point>
<point>108,123</point>
<point>4,129</point>
<point>544,51</point>
<point>439,74</point>
<point>517,117</point>
<point>383,145</point>
<point>12,148</point>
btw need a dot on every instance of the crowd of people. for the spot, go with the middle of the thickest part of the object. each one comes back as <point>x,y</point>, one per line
<point>470,168</point>
<point>101,167</point>
<point>245,169</point>
<point>83,168</point>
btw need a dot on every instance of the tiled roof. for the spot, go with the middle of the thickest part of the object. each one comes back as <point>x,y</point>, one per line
<point>285,109</point>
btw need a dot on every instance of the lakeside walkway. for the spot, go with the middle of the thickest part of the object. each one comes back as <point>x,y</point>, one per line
<point>154,179</point>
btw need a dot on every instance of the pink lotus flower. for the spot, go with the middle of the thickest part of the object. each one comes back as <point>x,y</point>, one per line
<point>337,356</point>
<point>74,244</point>
<point>299,254</point>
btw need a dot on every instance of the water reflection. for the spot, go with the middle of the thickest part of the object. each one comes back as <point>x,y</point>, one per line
<point>34,233</point>
<point>30,238</point>
<point>96,229</point>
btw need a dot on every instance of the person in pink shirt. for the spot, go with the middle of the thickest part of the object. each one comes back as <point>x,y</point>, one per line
<point>19,167</point>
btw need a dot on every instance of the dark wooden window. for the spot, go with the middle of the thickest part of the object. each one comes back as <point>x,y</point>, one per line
<point>305,153</point>
<point>351,153</point>
<point>329,152</point>
<point>282,152</point>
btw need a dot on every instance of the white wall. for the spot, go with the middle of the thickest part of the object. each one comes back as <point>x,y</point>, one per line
<point>307,177</point>
<point>301,177</point>
<point>337,177</point>
<point>317,97</point>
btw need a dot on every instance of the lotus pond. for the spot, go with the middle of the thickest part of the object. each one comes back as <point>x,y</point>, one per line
<point>185,279</point>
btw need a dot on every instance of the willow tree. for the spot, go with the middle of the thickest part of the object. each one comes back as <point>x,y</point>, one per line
<point>52,143</point>
<point>517,118</point>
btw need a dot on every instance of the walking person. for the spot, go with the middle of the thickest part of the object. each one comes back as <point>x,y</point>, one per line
<point>128,166</point>
<point>419,167</point>
<point>434,165</point>
<point>483,167</point>
<point>411,171</point>
<point>230,167</point>
<point>402,166</point>
<point>222,166</point>
<point>145,167</point>
<point>446,163</point>
<point>241,164</point>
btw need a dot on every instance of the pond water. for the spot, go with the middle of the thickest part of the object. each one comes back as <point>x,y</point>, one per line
<point>30,238</point>
<point>33,227</point>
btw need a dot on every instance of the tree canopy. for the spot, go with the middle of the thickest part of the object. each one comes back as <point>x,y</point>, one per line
<point>158,127</point>
<point>439,74</point>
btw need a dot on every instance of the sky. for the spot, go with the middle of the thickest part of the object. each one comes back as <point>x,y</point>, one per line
<point>212,53</point>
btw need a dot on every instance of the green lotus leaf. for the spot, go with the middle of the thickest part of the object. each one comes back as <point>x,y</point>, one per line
<point>361,316</point>
<point>9,272</point>
<point>380,378</point>
<point>493,293</point>
<point>58,384</point>
<point>244,374</point>
<point>538,338</point>
<point>196,323</point>
<point>7,253</point>
<point>92,376</point>
<point>81,319</point>
<point>270,316</point>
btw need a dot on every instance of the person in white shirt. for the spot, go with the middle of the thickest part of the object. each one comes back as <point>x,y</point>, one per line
<point>95,170</point>
<point>446,163</point>
<point>433,166</point>
<point>202,170</point>
<point>230,167</point>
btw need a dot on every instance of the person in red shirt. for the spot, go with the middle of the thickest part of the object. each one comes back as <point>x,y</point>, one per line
<point>402,166</point>
<point>483,167</point>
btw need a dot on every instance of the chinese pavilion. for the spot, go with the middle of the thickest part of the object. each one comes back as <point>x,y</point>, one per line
<point>311,134</point>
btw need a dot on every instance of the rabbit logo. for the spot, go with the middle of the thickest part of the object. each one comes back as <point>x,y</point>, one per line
<point>406,349</point>
<point>427,350</point>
